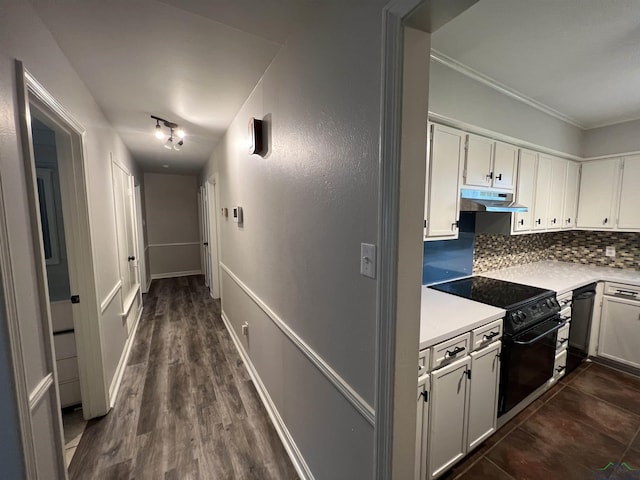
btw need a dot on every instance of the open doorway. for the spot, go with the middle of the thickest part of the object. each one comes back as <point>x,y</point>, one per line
<point>46,157</point>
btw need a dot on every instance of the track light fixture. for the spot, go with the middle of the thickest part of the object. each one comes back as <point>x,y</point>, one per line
<point>160,135</point>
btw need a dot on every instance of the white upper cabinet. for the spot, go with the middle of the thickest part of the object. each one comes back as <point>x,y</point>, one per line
<point>489,164</point>
<point>598,194</point>
<point>543,188</point>
<point>629,213</point>
<point>478,161</point>
<point>525,190</point>
<point>556,193</point>
<point>571,188</point>
<point>505,162</point>
<point>442,196</point>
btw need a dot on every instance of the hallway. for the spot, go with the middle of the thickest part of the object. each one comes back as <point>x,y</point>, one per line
<point>187,408</point>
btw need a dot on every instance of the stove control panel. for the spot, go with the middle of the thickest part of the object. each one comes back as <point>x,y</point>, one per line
<point>531,313</point>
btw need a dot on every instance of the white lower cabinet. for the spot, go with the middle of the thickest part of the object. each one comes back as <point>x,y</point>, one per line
<point>620,330</point>
<point>457,408</point>
<point>483,395</point>
<point>422,422</point>
<point>448,416</point>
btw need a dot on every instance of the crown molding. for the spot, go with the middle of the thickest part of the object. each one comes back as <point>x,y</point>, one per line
<point>503,89</point>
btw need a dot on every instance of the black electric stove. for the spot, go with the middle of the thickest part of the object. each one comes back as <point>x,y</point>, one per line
<point>525,305</point>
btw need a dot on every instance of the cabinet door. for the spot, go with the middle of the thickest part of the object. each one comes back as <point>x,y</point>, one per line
<point>478,162</point>
<point>505,163</point>
<point>442,193</point>
<point>572,183</point>
<point>598,191</point>
<point>556,192</point>
<point>422,425</point>
<point>620,330</point>
<point>448,416</point>
<point>629,216</point>
<point>543,190</point>
<point>525,191</point>
<point>483,394</point>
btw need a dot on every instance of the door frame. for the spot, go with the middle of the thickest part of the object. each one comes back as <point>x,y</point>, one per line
<point>211,186</point>
<point>77,222</point>
<point>142,248</point>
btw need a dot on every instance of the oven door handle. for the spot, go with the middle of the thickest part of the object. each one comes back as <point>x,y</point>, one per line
<point>553,329</point>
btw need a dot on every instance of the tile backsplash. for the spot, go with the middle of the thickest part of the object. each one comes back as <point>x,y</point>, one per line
<point>501,251</point>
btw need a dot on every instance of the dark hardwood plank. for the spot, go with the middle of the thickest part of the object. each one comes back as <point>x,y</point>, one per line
<point>187,408</point>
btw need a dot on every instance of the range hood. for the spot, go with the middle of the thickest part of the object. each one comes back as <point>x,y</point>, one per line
<point>488,201</point>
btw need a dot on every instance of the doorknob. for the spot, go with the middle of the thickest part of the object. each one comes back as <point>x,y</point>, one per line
<point>131,258</point>
<point>206,244</point>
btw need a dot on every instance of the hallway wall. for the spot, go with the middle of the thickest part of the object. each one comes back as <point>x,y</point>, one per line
<point>23,36</point>
<point>171,209</point>
<point>291,270</point>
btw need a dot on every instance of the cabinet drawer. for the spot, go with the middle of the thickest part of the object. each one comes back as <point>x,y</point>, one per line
<point>622,291</point>
<point>446,352</point>
<point>70,394</point>
<point>424,358</point>
<point>67,369</point>
<point>565,314</point>
<point>562,340</point>
<point>65,345</point>
<point>560,365</point>
<point>484,335</point>
<point>565,299</point>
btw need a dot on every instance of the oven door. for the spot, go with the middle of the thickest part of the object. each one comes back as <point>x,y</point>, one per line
<point>527,362</point>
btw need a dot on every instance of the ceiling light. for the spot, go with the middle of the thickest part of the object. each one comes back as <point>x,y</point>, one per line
<point>160,135</point>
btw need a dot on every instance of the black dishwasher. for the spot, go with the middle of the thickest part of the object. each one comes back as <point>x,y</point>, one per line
<point>580,330</point>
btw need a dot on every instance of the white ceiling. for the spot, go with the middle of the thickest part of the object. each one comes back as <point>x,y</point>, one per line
<point>578,57</point>
<point>193,62</point>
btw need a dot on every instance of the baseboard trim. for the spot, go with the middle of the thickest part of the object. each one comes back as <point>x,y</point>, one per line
<point>158,276</point>
<point>124,359</point>
<point>336,380</point>
<point>288,442</point>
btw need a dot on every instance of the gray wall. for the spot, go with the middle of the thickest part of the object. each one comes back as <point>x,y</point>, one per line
<point>620,138</point>
<point>307,207</point>
<point>44,150</point>
<point>459,97</point>
<point>171,212</point>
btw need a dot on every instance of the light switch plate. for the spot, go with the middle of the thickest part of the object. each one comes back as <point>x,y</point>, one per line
<point>610,252</point>
<point>368,260</point>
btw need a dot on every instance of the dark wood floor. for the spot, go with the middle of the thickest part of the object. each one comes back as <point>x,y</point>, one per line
<point>186,408</point>
<point>588,422</point>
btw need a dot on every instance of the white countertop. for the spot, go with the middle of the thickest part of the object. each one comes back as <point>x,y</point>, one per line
<point>563,276</point>
<point>444,316</point>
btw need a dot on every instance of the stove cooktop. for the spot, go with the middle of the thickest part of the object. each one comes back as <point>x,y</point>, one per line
<point>499,293</point>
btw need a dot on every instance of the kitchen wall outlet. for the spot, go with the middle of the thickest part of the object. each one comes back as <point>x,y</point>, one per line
<point>368,260</point>
<point>245,329</point>
<point>610,252</point>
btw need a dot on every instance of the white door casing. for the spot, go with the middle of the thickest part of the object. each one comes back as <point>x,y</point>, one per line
<point>144,282</point>
<point>214,239</point>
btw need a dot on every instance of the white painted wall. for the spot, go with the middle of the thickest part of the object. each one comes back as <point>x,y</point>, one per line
<point>459,97</point>
<point>171,211</point>
<point>614,139</point>
<point>307,207</point>
<point>24,36</point>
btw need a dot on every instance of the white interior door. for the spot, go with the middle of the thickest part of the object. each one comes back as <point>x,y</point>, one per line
<point>123,198</point>
<point>212,220</point>
<point>144,282</point>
